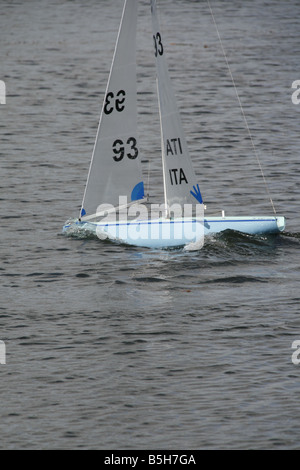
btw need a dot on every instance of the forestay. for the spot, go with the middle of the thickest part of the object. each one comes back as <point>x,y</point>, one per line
<point>115,166</point>
<point>179,177</point>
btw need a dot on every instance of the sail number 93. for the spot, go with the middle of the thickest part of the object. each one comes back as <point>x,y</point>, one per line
<point>130,148</point>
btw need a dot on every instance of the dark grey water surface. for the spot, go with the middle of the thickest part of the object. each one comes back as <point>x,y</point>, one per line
<point>115,347</point>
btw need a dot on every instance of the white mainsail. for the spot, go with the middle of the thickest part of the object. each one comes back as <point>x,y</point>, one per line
<point>115,166</point>
<point>179,177</point>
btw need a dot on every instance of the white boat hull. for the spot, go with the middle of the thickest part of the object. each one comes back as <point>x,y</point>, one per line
<point>166,233</point>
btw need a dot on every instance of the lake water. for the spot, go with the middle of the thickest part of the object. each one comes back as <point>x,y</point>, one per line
<point>117,347</point>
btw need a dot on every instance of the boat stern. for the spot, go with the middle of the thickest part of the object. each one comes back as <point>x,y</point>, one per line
<point>280,223</point>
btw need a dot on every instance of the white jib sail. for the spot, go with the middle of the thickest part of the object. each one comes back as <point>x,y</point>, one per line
<point>179,177</point>
<point>115,166</point>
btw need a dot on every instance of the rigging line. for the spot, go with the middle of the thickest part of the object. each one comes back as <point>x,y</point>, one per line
<point>242,110</point>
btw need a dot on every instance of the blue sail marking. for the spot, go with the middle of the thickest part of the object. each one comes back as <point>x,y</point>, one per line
<point>197,194</point>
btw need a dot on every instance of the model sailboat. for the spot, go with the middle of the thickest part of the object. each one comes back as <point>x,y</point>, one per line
<point>114,202</point>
